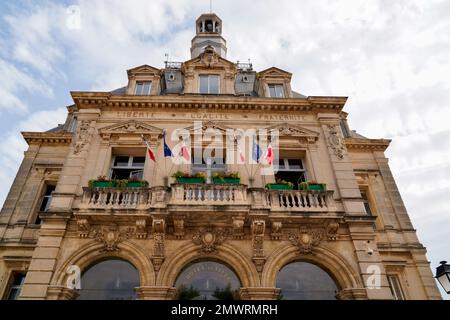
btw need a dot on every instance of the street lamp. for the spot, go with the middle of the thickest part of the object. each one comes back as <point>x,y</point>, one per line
<point>443,275</point>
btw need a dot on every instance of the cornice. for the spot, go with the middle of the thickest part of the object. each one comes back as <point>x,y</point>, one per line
<point>367,144</point>
<point>87,100</point>
<point>48,137</point>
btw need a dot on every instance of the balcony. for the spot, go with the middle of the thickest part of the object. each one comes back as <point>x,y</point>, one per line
<point>207,195</point>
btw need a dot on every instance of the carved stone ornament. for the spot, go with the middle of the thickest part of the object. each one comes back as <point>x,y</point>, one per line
<point>332,229</point>
<point>276,230</point>
<point>258,228</point>
<point>306,239</point>
<point>238,227</point>
<point>141,229</point>
<point>335,140</point>
<point>209,57</point>
<point>111,236</point>
<point>83,136</point>
<point>83,228</point>
<point>178,226</point>
<point>209,239</point>
<point>159,239</point>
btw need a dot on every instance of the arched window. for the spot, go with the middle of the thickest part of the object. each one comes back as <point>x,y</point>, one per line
<point>109,280</point>
<point>305,281</point>
<point>207,280</point>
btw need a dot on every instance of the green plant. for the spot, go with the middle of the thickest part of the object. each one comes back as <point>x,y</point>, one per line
<point>226,175</point>
<point>185,293</point>
<point>91,183</point>
<point>180,174</point>
<point>120,183</point>
<point>199,175</point>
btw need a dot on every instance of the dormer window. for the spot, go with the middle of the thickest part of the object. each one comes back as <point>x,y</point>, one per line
<point>276,90</point>
<point>209,84</point>
<point>143,88</point>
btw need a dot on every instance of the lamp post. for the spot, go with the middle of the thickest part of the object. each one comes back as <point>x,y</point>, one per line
<point>443,275</point>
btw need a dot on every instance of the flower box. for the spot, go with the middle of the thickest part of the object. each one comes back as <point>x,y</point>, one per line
<point>226,180</point>
<point>279,186</point>
<point>190,180</point>
<point>137,184</point>
<point>102,184</point>
<point>312,186</point>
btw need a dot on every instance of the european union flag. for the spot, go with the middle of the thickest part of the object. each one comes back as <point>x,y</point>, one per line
<point>167,151</point>
<point>256,154</point>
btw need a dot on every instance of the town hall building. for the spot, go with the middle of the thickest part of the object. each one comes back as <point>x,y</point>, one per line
<point>207,179</point>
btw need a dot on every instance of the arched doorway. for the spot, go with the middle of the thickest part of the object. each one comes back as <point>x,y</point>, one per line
<point>112,279</point>
<point>305,281</point>
<point>207,280</point>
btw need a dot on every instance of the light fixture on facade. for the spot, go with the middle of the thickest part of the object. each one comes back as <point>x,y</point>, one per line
<point>443,275</point>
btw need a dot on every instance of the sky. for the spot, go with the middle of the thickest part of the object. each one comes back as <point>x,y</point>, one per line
<point>391,58</point>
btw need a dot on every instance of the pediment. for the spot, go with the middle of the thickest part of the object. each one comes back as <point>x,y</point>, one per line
<point>143,70</point>
<point>295,131</point>
<point>275,72</point>
<point>130,127</point>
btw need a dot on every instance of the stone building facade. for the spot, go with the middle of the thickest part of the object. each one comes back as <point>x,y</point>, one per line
<point>355,233</point>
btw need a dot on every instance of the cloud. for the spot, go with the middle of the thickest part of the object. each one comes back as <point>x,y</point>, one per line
<point>12,145</point>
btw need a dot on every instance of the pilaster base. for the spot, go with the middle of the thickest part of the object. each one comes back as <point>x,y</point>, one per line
<point>61,293</point>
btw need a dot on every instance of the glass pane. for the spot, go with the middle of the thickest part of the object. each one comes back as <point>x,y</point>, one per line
<point>272,92</point>
<point>214,84</point>
<point>139,88</point>
<point>203,84</point>
<point>305,281</point>
<point>19,278</point>
<point>121,162</point>
<point>14,294</point>
<point>207,281</point>
<point>138,162</point>
<point>279,91</point>
<point>295,164</point>
<point>146,88</point>
<point>109,280</point>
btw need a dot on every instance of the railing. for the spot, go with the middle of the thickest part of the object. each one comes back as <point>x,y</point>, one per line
<point>115,198</point>
<point>300,200</point>
<point>244,66</point>
<point>211,194</point>
<point>207,194</point>
<point>173,65</point>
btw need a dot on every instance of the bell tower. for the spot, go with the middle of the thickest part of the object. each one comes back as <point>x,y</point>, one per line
<point>208,32</point>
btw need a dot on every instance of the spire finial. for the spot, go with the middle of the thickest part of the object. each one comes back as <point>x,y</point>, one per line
<point>210,6</point>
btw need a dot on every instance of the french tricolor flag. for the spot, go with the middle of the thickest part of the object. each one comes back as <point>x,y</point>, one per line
<point>241,154</point>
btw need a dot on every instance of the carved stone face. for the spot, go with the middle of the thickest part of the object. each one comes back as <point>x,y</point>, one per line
<point>305,238</point>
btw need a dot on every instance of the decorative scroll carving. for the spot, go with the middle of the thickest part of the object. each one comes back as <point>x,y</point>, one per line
<point>83,228</point>
<point>141,229</point>
<point>306,239</point>
<point>159,238</point>
<point>332,229</point>
<point>276,230</point>
<point>83,136</point>
<point>258,228</point>
<point>111,236</point>
<point>238,227</point>
<point>336,141</point>
<point>209,239</point>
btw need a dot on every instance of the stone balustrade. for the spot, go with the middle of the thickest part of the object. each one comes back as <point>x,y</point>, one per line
<point>207,194</point>
<point>115,198</point>
<point>300,200</point>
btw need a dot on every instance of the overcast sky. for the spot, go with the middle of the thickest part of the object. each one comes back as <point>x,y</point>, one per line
<point>391,58</point>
